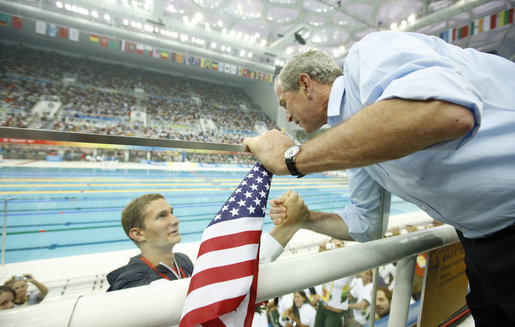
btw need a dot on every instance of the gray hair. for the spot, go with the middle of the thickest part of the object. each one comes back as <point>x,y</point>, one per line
<point>316,63</point>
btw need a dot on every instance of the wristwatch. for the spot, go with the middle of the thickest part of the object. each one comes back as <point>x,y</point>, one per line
<point>289,160</point>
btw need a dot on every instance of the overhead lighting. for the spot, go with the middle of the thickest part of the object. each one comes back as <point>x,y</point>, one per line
<point>59,4</point>
<point>393,26</point>
<point>94,13</point>
<point>125,21</point>
<point>412,18</point>
<point>107,17</point>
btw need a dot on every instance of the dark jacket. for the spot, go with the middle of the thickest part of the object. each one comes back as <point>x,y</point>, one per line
<point>138,273</point>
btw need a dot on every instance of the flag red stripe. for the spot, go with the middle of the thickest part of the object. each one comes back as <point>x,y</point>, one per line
<point>210,312</point>
<point>222,274</point>
<point>229,241</point>
<point>510,16</point>
<point>253,294</point>
<point>214,323</point>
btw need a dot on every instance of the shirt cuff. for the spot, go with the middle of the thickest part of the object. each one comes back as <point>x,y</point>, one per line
<point>270,249</point>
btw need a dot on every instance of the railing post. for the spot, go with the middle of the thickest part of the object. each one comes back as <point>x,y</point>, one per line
<point>4,231</point>
<point>402,292</point>
<point>383,210</point>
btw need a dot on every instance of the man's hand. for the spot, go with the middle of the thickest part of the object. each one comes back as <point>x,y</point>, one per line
<point>269,148</point>
<point>289,209</point>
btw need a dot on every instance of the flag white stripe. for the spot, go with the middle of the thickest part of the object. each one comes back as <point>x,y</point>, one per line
<point>210,294</point>
<point>234,317</point>
<point>225,257</point>
<point>232,227</point>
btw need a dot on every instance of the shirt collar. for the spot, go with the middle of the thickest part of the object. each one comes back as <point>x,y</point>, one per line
<point>334,106</point>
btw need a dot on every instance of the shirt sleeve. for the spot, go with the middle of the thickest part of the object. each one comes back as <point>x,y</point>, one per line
<point>362,216</point>
<point>270,249</point>
<point>410,67</point>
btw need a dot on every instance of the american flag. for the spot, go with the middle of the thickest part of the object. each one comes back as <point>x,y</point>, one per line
<point>223,286</point>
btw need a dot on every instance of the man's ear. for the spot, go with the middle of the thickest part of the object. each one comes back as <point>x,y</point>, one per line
<point>305,83</point>
<point>137,234</point>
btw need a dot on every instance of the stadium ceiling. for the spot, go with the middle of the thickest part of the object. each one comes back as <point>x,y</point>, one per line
<point>266,32</point>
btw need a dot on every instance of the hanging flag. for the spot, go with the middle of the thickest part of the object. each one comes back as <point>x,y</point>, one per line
<point>5,19</point>
<point>114,44</point>
<point>140,48</point>
<point>221,67</point>
<point>227,68</point>
<point>128,46</point>
<point>73,34</point>
<point>63,32</point>
<point>164,55</point>
<point>52,30</point>
<point>40,27</point>
<point>222,290</point>
<point>179,58</point>
<point>104,42</point>
<point>16,22</point>
<point>148,50</point>
<point>93,38</point>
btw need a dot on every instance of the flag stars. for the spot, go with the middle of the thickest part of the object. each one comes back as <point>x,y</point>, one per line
<point>241,202</point>
<point>259,180</point>
<point>257,201</point>
<point>243,182</point>
<point>218,217</point>
<point>225,208</point>
<point>234,212</point>
<point>267,186</point>
<point>248,194</point>
<point>262,193</point>
<point>238,190</point>
<point>251,209</point>
<point>254,187</point>
<point>231,199</point>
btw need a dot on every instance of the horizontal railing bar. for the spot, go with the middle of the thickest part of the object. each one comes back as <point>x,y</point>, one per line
<point>160,304</point>
<point>40,134</point>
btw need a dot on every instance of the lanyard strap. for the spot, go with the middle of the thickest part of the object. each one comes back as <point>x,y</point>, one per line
<point>174,270</point>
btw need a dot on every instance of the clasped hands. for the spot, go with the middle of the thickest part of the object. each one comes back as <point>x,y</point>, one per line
<point>289,209</point>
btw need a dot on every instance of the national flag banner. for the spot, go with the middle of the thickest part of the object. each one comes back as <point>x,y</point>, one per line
<point>93,38</point>
<point>505,17</point>
<point>156,53</point>
<point>73,35</point>
<point>41,27</point>
<point>114,44</point>
<point>165,55</point>
<point>179,58</point>
<point>222,290</point>
<point>493,21</point>
<point>252,74</point>
<point>214,65</point>
<point>148,50</point>
<point>128,46</point>
<point>261,76</point>
<point>234,69</point>
<point>104,41</point>
<point>5,19</point>
<point>227,68</point>
<point>463,32</point>
<point>52,30</point>
<point>63,32</point>
<point>205,63</point>
<point>221,67</point>
<point>140,48</point>
<point>16,22</point>
<point>172,56</point>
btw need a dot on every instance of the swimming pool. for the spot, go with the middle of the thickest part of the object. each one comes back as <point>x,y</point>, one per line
<point>56,212</point>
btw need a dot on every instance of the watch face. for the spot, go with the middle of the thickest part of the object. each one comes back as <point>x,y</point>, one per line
<point>291,151</point>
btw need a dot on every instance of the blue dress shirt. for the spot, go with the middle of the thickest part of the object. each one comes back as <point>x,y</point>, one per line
<point>468,182</point>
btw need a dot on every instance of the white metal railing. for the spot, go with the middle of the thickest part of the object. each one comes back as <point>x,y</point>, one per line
<point>160,304</point>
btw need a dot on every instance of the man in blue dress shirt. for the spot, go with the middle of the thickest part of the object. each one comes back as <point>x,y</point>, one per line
<point>428,121</point>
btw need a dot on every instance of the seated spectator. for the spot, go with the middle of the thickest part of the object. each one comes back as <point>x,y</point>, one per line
<point>361,292</point>
<point>7,296</point>
<point>383,302</point>
<point>301,313</point>
<point>20,285</point>
<point>150,223</point>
